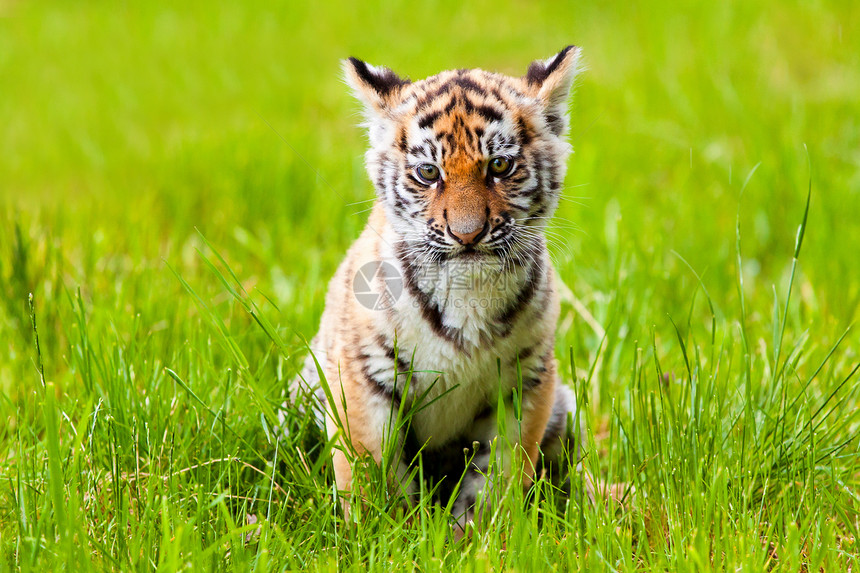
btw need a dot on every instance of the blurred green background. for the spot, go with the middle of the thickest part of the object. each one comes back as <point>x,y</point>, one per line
<point>126,128</point>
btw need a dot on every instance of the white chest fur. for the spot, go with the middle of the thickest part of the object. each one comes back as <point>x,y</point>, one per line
<point>460,363</point>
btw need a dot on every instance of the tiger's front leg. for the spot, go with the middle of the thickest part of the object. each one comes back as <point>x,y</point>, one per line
<point>366,421</point>
<point>517,431</point>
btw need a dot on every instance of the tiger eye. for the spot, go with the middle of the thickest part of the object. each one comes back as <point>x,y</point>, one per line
<point>427,172</point>
<point>500,166</point>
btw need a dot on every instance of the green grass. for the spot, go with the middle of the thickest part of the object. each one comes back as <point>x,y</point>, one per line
<point>136,431</point>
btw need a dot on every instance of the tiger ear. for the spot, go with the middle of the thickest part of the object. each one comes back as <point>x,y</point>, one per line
<point>550,81</point>
<point>376,87</point>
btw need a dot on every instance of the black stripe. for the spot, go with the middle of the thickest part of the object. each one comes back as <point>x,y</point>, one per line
<point>465,83</point>
<point>530,191</point>
<point>399,207</point>
<point>468,106</point>
<point>391,185</point>
<point>531,382</point>
<point>487,112</point>
<point>540,211</point>
<point>433,95</point>
<point>451,105</point>
<point>557,61</point>
<point>404,144</point>
<point>493,91</point>
<point>555,122</point>
<point>382,158</point>
<point>536,373</point>
<point>413,188</point>
<point>523,131</point>
<point>520,176</point>
<point>500,140</point>
<point>525,353</point>
<point>506,321</point>
<point>469,84</point>
<point>376,379</point>
<point>377,387</point>
<point>538,72</point>
<point>449,143</point>
<point>471,141</point>
<point>430,311</point>
<point>479,134</point>
<point>402,365</point>
<point>483,413</point>
<point>429,119</point>
<point>538,174</point>
<point>383,80</point>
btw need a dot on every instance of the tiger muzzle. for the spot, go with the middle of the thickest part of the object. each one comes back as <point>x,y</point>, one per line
<point>468,237</point>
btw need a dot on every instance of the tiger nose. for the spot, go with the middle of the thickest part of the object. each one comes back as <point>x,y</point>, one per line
<point>468,235</point>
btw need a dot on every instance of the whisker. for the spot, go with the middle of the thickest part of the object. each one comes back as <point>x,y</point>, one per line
<point>362,211</point>
<point>372,200</point>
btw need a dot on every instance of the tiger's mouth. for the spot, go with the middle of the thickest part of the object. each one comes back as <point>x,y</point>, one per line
<point>471,254</point>
<point>477,253</point>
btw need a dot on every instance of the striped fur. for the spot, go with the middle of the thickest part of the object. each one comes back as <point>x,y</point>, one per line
<point>474,324</point>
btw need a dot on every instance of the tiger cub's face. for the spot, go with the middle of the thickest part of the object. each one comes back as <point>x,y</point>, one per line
<point>468,163</point>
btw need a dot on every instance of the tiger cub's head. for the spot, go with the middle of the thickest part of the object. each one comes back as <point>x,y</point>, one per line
<point>467,163</point>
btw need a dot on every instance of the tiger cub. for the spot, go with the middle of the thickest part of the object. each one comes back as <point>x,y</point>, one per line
<point>447,302</point>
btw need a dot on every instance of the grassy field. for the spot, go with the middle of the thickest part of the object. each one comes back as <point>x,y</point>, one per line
<point>177,184</point>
